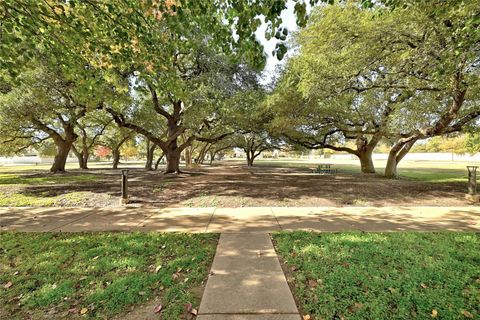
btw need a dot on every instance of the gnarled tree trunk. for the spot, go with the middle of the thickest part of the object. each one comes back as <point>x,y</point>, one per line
<point>364,152</point>
<point>396,154</point>
<point>173,161</point>
<point>115,158</point>
<point>60,160</point>
<point>150,153</point>
<point>158,161</point>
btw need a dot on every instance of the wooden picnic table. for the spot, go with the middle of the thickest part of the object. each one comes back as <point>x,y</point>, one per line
<point>325,168</point>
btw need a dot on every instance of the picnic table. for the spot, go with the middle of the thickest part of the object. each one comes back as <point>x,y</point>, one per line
<point>325,168</point>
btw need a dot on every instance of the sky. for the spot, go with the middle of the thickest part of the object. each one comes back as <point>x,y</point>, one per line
<point>289,22</point>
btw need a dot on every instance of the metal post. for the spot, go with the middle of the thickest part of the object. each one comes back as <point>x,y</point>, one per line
<point>472,179</point>
<point>124,186</point>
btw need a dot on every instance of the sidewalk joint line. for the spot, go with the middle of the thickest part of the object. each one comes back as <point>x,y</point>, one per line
<point>72,221</point>
<point>143,221</point>
<point>276,219</point>
<point>247,313</point>
<point>210,220</point>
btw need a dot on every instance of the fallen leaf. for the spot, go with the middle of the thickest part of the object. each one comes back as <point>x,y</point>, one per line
<point>83,311</point>
<point>312,283</point>
<point>392,290</point>
<point>16,272</point>
<point>467,314</point>
<point>142,293</point>
<point>8,285</point>
<point>423,285</point>
<point>434,313</point>
<point>158,268</point>
<point>95,258</point>
<point>186,280</point>
<point>293,268</point>
<point>194,312</point>
<point>307,317</point>
<point>158,308</point>
<point>54,286</point>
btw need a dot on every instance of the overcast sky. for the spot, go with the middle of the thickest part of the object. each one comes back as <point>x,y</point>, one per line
<point>289,22</point>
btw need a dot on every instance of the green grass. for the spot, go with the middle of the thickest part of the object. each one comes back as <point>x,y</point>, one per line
<point>56,275</point>
<point>14,199</point>
<point>427,171</point>
<point>405,275</point>
<point>15,179</point>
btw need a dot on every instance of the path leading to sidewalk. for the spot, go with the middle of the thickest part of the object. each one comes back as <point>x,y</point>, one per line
<point>248,219</point>
<point>247,282</point>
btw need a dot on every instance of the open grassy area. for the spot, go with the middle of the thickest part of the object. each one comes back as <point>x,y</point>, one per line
<point>277,182</point>
<point>8,179</point>
<point>403,275</point>
<point>100,275</point>
<point>427,171</point>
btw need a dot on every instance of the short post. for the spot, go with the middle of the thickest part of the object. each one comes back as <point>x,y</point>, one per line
<point>124,199</point>
<point>472,184</point>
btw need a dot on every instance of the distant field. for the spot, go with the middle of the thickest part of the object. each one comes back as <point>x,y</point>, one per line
<point>432,171</point>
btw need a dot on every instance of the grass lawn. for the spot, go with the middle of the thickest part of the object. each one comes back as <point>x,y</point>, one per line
<point>427,171</point>
<point>400,275</point>
<point>100,275</point>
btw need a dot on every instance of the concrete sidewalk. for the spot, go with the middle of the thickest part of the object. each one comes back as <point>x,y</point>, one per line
<point>247,282</point>
<point>246,219</point>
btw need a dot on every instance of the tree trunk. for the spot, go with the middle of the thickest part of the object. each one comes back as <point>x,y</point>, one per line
<point>116,158</point>
<point>366,161</point>
<point>158,161</point>
<point>172,151</point>
<point>212,156</point>
<point>82,158</point>
<point>63,149</point>
<point>251,157</point>
<point>85,156</point>
<point>150,153</point>
<point>396,154</point>
<point>173,161</point>
<point>364,152</point>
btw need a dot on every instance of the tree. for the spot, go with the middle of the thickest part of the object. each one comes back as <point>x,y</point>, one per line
<point>159,45</point>
<point>89,128</point>
<point>44,104</point>
<point>329,120</point>
<point>422,63</point>
<point>251,121</point>
<point>191,111</point>
<point>114,138</point>
<point>472,143</point>
<point>102,152</point>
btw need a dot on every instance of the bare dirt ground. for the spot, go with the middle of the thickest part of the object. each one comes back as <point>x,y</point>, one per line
<point>239,186</point>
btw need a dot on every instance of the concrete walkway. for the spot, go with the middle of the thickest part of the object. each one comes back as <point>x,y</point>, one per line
<point>247,282</point>
<point>234,220</point>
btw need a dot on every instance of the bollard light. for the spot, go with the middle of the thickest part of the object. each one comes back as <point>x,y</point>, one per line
<point>472,179</point>
<point>124,186</point>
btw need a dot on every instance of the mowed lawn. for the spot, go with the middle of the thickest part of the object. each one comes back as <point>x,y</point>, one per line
<point>101,275</point>
<point>404,275</point>
<point>427,171</point>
